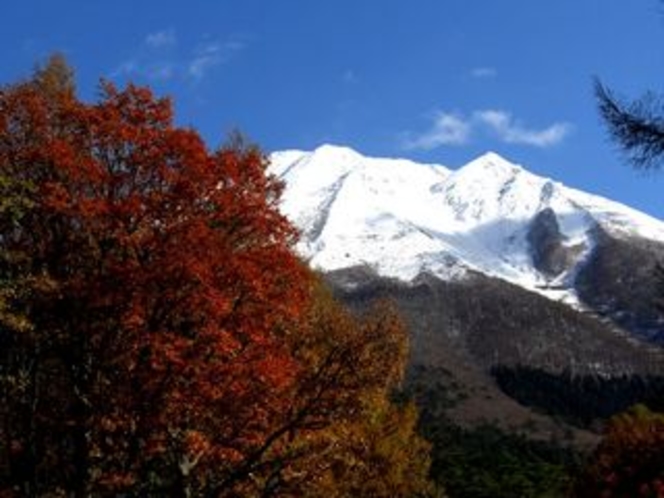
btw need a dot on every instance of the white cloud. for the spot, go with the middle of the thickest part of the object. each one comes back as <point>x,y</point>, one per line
<point>511,131</point>
<point>161,39</point>
<point>484,72</point>
<point>210,55</point>
<point>447,129</point>
<point>153,62</point>
<point>204,59</point>
<point>457,129</point>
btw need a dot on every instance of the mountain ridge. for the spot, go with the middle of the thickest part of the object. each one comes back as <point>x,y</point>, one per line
<point>402,218</point>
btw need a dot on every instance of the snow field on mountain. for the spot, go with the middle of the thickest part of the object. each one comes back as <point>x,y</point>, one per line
<point>402,218</point>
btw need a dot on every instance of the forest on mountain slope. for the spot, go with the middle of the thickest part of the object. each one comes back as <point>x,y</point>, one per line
<point>514,390</point>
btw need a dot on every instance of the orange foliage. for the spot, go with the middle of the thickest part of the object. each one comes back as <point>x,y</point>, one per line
<point>159,336</point>
<point>343,436</point>
<point>629,462</point>
<point>171,281</point>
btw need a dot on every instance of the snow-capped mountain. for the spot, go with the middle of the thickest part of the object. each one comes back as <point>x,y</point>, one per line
<point>401,218</point>
<point>460,253</point>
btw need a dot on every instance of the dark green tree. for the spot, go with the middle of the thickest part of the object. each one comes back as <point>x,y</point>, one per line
<point>637,126</point>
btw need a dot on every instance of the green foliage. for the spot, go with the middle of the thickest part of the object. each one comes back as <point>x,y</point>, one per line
<point>488,463</point>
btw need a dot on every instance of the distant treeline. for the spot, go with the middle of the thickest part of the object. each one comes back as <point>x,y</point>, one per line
<point>581,400</point>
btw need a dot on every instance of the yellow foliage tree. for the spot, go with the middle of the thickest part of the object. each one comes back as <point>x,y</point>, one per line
<point>352,439</point>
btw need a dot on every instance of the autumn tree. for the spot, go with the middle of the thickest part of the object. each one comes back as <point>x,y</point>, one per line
<point>146,287</point>
<point>55,77</point>
<point>629,462</point>
<point>159,336</point>
<point>352,437</point>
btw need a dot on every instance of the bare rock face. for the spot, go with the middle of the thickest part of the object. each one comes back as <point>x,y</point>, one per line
<point>619,282</point>
<point>550,256</point>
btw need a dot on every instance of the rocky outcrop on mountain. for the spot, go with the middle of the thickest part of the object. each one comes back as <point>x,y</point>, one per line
<point>619,282</point>
<point>551,256</point>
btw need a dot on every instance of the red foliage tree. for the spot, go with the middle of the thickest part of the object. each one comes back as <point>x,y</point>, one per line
<point>629,462</point>
<point>147,287</point>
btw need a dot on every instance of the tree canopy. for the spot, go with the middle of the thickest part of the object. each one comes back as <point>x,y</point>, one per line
<point>628,461</point>
<point>158,334</point>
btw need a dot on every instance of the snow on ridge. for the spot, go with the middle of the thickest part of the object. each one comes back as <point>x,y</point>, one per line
<point>400,217</point>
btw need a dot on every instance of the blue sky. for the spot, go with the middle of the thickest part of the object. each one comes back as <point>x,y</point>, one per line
<point>433,80</point>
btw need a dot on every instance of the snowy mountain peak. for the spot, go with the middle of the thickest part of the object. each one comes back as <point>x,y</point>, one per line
<point>339,152</point>
<point>328,156</point>
<point>493,162</point>
<point>402,218</point>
